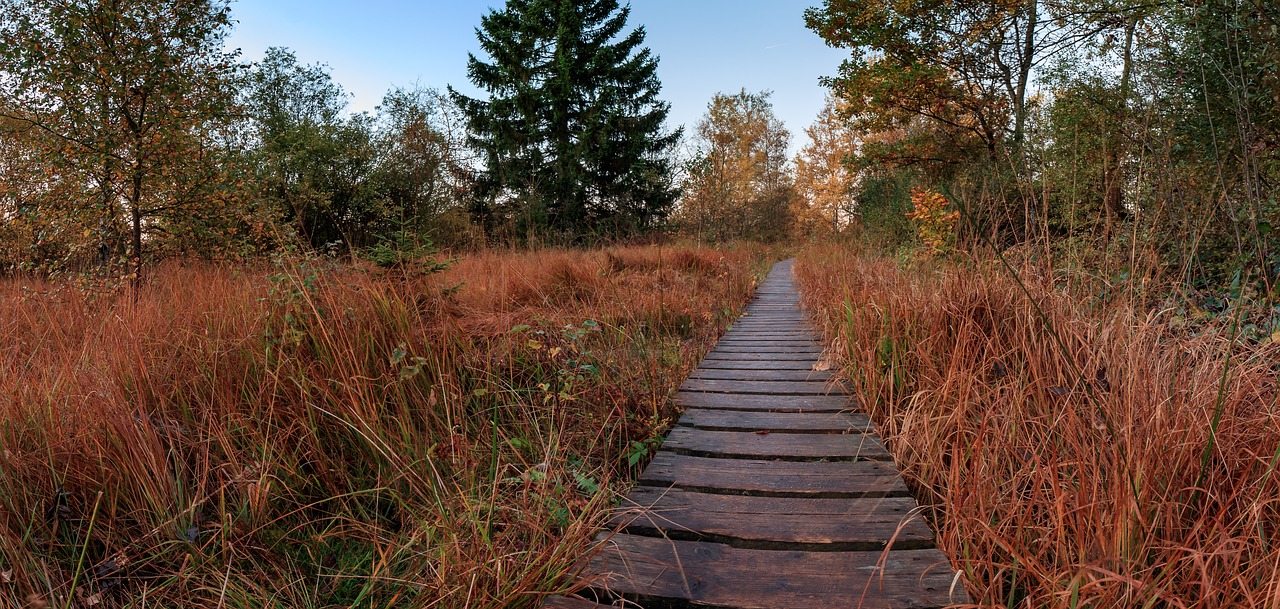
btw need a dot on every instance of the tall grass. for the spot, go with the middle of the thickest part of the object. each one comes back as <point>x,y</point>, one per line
<point>1070,456</point>
<point>308,434</point>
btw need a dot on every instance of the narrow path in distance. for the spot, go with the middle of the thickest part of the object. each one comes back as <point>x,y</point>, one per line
<point>773,491</point>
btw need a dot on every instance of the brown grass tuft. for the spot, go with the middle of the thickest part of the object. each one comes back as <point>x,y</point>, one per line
<point>310,434</point>
<point>1089,473</point>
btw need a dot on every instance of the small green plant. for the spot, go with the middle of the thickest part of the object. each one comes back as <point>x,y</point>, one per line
<point>406,251</point>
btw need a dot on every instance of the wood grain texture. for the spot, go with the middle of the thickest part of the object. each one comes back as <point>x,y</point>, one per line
<point>775,445</point>
<point>757,356</point>
<point>721,364</point>
<point>722,576</point>
<point>813,422</point>
<point>810,375</point>
<point>775,478</point>
<point>775,523</point>
<point>762,387</point>
<point>771,349</point>
<point>770,403</point>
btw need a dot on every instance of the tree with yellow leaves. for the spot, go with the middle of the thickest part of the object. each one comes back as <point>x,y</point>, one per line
<point>739,183</point>
<point>825,180</point>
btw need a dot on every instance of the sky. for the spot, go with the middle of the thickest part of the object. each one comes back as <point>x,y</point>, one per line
<point>705,47</point>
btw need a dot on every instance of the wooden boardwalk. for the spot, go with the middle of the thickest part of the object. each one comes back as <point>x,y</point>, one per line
<point>771,493</point>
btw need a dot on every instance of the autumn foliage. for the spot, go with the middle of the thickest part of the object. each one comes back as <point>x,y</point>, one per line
<point>934,223</point>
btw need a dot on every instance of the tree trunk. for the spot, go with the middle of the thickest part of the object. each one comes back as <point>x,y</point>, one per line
<point>135,210</point>
<point>1024,74</point>
<point>1113,197</point>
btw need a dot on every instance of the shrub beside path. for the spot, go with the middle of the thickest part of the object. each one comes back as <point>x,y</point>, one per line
<point>772,492</point>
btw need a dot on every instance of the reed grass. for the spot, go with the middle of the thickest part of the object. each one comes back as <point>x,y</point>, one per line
<point>314,434</point>
<point>1070,454</point>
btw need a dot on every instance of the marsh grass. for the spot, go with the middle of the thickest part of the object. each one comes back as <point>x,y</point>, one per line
<point>312,434</point>
<point>1125,462</point>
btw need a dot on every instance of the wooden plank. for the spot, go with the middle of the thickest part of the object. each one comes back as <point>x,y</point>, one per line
<point>778,349</point>
<point>789,422</point>
<point>763,387</point>
<point>757,356</point>
<point>820,376</point>
<point>722,576</point>
<point>768,403</point>
<point>729,364</point>
<point>769,336</point>
<point>775,523</point>
<point>836,479</point>
<point>797,321</point>
<point>776,328</point>
<point>780,446</point>
<point>762,335</point>
<point>767,343</point>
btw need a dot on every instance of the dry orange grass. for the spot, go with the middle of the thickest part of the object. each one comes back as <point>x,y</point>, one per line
<point>1126,466</point>
<point>311,434</point>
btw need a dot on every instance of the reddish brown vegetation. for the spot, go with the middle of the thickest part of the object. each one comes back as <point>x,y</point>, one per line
<point>318,435</point>
<point>1130,465</point>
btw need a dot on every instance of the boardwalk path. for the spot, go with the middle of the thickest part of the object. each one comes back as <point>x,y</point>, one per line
<point>771,493</point>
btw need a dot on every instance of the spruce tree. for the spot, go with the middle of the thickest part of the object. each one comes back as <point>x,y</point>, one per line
<point>572,133</point>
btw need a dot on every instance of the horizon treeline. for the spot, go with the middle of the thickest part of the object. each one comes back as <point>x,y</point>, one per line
<point>1135,138</point>
<point>130,133</point>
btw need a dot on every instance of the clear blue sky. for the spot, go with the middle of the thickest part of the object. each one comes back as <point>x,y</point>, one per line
<point>706,46</point>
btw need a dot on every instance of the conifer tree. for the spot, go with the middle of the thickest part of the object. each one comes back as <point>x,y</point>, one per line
<point>572,133</point>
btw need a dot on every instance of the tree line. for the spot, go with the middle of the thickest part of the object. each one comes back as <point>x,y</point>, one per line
<point>1145,134</point>
<point>130,132</point>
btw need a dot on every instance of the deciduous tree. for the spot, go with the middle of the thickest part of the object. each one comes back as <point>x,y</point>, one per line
<point>825,177</point>
<point>128,98</point>
<point>739,183</point>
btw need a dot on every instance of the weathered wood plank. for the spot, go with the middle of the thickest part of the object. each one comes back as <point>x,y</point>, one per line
<point>745,335</point>
<point>811,422</point>
<point>751,322</point>
<point>775,349</point>
<point>763,387</point>
<point>775,523</point>
<point>729,364</point>
<point>775,445</point>
<point>769,403</point>
<point>775,478</point>
<point>758,356</point>
<point>775,328</point>
<point>722,576</point>
<point>820,376</point>
<point>770,345</point>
